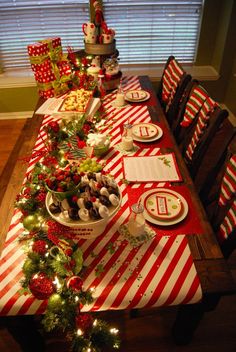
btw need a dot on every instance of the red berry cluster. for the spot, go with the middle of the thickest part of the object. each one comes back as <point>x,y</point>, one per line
<point>54,230</point>
<point>40,247</point>
<point>63,180</point>
<point>84,321</point>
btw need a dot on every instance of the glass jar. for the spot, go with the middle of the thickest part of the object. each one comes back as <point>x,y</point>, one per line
<point>99,91</point>
<point>136,222</point>
<point>127,137</point>
<point>120,97</point>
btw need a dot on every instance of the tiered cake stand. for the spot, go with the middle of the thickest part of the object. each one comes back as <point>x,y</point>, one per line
<point>105,51</point>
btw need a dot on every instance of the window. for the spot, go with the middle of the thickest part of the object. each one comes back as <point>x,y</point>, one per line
<point>149,31</point>
<point>26,21</point>
<point>146,31</point>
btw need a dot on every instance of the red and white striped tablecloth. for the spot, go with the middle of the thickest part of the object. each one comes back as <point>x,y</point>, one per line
<point>159,272</point>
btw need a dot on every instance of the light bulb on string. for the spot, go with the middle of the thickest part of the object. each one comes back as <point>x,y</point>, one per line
<point>79,332</point>
<point>114,331</point>
<point>92,290</point>
<point>95,322</point>
<point>57,283</point>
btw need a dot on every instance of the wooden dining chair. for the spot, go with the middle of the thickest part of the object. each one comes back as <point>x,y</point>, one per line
<point>219,198</point>
<point>223,220</point>
<point>202,132</point>
<point>190,103</point>
<point>173,82</point>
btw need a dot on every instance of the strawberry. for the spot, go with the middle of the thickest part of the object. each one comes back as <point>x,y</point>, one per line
<point>74,199</point>
<point>60,178</point>
<point>76,179</point>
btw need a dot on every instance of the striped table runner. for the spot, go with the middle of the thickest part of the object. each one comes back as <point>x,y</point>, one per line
<point>159,272</point>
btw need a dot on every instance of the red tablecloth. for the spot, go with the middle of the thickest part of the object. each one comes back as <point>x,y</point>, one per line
<point>159,272</point>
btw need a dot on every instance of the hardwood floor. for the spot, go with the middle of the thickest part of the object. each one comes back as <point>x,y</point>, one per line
<point>150,331</point>
<point>9,132</point>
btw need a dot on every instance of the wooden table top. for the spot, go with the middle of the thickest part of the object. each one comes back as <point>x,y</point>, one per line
<point>212,269</point>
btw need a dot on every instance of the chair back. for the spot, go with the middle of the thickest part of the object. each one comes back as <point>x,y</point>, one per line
<point>218,195</point>
<point>196,143</point>
<point>225,215</point>
<point>173,82</point>
<point>190,104</point>
<point>213,164</point>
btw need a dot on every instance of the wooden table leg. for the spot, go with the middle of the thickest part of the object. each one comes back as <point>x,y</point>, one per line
<point>187,320</point>
<point>189,317</point>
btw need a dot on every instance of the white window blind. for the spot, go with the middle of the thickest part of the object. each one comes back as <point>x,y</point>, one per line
<point>25,22</point>
<point>149,31</point>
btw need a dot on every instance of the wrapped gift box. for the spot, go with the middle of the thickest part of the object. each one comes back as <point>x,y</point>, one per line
<point>51,71</point>
<point>44,77</point>
<point>49,46</point>
<point>49,93</point>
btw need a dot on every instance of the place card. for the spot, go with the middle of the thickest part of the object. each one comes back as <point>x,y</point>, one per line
<point>161,205</point>
<point>161,168</point>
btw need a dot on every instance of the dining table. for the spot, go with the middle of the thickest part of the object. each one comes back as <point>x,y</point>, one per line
<point>178,262</point>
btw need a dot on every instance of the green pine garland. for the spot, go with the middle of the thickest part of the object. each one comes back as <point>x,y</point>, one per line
<point>58,260</point>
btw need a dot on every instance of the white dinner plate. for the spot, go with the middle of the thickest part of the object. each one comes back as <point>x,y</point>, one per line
<point>156,136</point>
<point>137,95</point>
<point>163,205</point>
<point>183,210</point>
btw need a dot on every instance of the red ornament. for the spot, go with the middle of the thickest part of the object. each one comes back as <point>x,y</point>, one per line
<point>80,144</point>
<point>75,283</point>
<point>53,125</point>
<point>84,321</point>
<point>84,61</point>
<point>86,128</point>
<point>40,247</point>
<point>41,286</point>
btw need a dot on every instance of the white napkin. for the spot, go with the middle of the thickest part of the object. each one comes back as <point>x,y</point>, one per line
<point>159,168</point>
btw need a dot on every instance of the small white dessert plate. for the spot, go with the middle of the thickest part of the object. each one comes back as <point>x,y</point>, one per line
<point>137,95</point>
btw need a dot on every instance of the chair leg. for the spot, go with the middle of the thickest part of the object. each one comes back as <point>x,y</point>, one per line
<point>133,313</point>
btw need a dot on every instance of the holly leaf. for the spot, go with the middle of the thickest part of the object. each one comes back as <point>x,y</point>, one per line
<point>111,248</point>
<point>126,182</point>
<point>99,270</point>
<point>93,255</point>
<point>24,291</point>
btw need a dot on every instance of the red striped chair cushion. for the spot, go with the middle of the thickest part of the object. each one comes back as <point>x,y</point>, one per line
<point>227,192</point>
<point>228,224</point>
<point>204,115</point>
<point>170,81</point>
<point>194,104</point>
<point>228,186</point>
